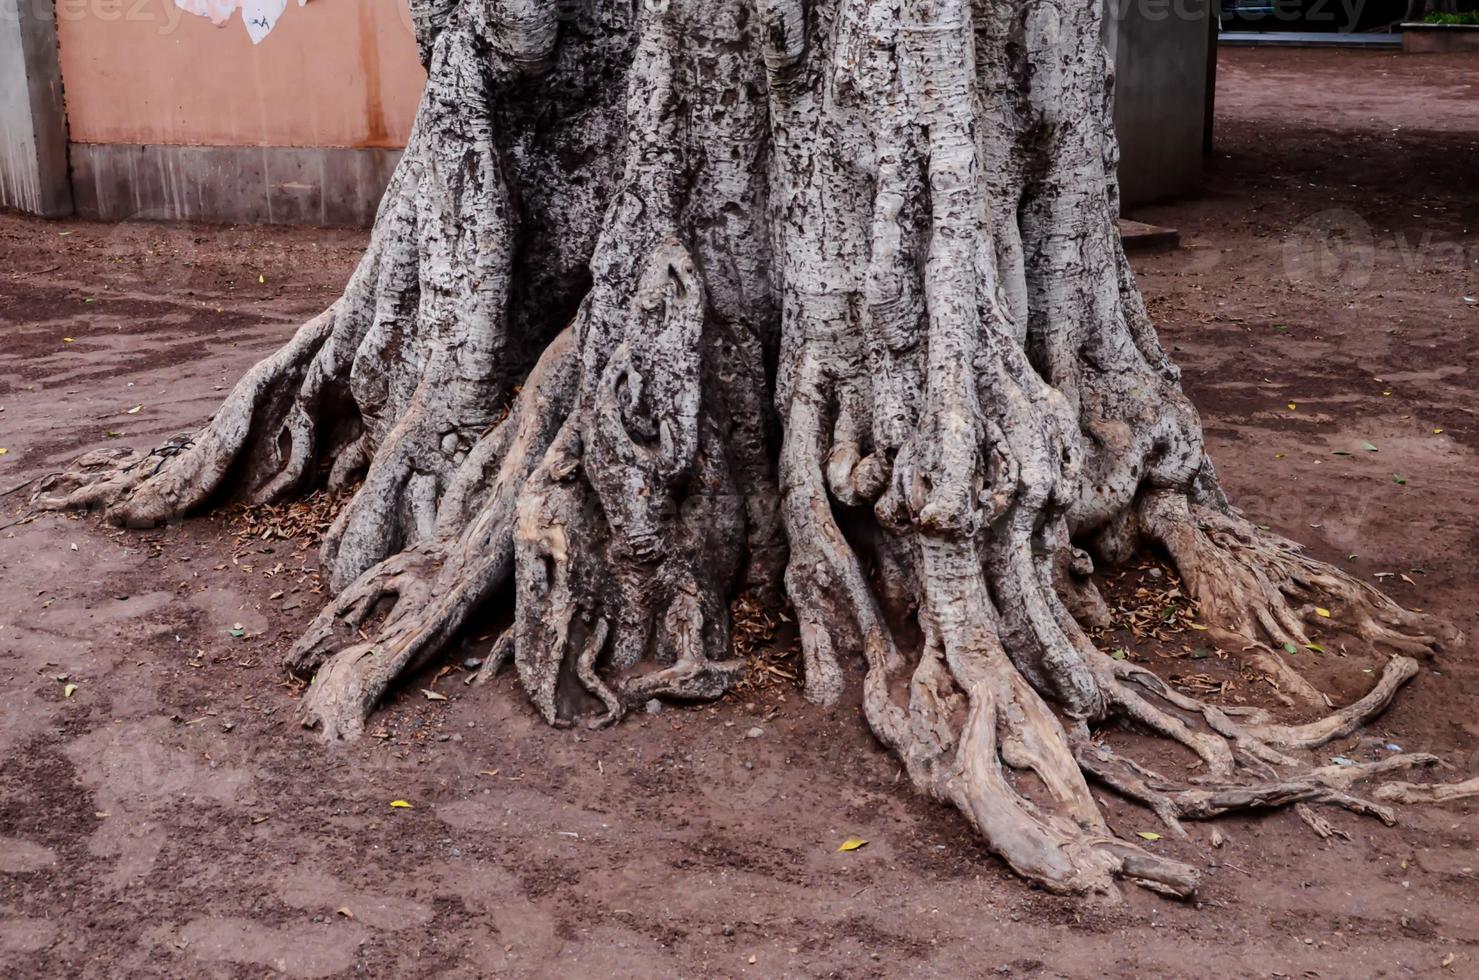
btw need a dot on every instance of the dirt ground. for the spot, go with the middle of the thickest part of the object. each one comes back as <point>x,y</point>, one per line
<point>168,818</point>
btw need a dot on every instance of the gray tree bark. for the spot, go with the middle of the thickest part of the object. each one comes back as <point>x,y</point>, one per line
<point>682,299</point>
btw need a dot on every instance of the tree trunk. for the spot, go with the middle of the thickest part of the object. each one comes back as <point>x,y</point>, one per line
<point>677,300</point>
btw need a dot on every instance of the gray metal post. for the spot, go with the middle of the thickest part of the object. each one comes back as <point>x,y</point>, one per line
<point>33,118</point>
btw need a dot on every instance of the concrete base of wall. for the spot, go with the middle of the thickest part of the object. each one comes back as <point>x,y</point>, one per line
<point>1439,38</point>
<point>232,184</point>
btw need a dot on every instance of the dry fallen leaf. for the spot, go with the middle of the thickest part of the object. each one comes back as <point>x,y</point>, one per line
<point>1148,835</point>
<point>344,911</point>
<point>69,690</point>
<point>852,844</point>
<point>433,695</point>
<point>135,410</point>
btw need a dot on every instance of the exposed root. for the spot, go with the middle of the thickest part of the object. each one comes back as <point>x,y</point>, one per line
<point>1242,750</point>
<point>627,532</point>
<point>1428,792</point>
<point>145,490</point>
<point>1259,592</point>
<point>1323,828</point>
<point>974,733</point>
<point>432,589</point>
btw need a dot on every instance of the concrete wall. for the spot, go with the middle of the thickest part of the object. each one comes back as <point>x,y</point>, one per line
<point>1160,54</point>
<point>333,73</point>
<point>174,117</point>
<point>33,140</point>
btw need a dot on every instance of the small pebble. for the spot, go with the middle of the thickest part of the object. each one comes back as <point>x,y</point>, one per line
<point>754,733</point>
<point>653,707</point>
<point>1155,573</point>
<point>472,663</point>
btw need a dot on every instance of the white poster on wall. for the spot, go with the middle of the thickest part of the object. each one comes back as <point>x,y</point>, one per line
<point>260,16</point>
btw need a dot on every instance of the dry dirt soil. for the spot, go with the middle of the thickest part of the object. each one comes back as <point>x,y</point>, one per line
<point>169,819</point>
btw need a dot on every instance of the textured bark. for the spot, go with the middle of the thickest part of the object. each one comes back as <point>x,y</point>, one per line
<point>672,301</point>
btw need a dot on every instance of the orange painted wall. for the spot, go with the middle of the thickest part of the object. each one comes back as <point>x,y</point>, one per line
<point>341,73</point>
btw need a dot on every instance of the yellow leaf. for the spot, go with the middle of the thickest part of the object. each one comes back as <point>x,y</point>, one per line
<point>1448,960</point>
<point>135,410</point>
<point>1148,835</point>
<point>1292,406</point>
<point>1197,626</point>
<point>1278,455</point>
<point>69,690</point>
<point>852,844</point>
<point>67,340</point>
<point>401,805</point>
<point>262,279</point>
<point>1325,613</point>
<point>3,450</point>
<point>1437,432</point>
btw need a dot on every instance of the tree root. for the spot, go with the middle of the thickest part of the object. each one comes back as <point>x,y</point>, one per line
<point>1428,793</point>
<point>145,490</point>
<point>1258,591</point>
<point>434,587</point>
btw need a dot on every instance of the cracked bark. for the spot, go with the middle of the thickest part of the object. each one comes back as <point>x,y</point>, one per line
<point>674,300</point>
